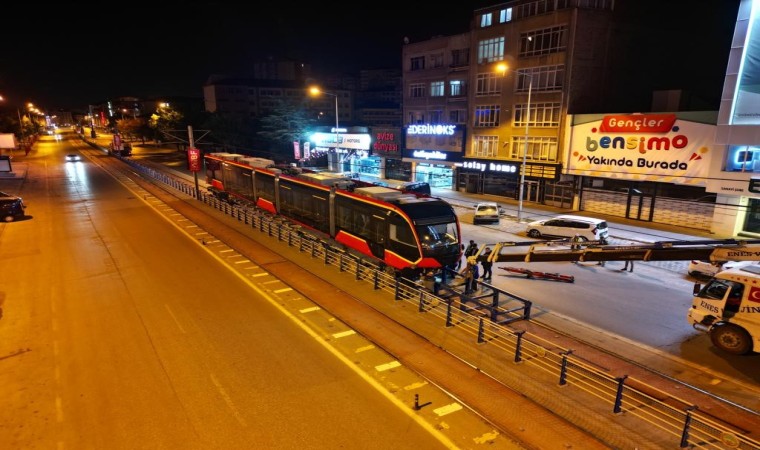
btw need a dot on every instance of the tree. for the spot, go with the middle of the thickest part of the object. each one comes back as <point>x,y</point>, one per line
<point>286,123</point>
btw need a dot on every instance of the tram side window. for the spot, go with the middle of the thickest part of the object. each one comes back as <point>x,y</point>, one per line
<point>265,186</point>
<point>401,239</point>
<point>305,205</point>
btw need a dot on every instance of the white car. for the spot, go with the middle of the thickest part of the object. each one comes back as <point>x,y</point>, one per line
<point>699,268</point>
<point>486,212</point>
<point>567,226</point>
<point>73,157</point>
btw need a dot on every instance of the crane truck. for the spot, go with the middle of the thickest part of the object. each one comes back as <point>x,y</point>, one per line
<point>727,307</point>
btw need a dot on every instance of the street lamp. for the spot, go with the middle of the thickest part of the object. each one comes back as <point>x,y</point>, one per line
<point>525,151</point>
<point>315,91</point>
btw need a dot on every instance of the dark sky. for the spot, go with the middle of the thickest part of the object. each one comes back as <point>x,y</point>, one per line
<point>70,55</point>
<point>73,54</point>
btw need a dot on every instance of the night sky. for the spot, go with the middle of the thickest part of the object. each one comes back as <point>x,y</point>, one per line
<point>70,55</point>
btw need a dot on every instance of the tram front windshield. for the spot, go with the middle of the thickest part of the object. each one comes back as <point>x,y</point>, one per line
<point>435,236</point>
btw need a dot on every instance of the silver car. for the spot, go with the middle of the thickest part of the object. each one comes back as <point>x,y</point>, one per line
<point>567,226</point>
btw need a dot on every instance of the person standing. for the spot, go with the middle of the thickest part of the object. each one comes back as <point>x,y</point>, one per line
<point>487,266</point>
<point>468,275</point>
<point>472,249</point>
<point>628,266</point>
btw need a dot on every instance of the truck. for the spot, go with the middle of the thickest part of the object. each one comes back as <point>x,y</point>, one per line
<point>728,309</point>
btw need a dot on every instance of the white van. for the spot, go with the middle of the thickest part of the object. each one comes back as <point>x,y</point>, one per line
<point>567,226</point>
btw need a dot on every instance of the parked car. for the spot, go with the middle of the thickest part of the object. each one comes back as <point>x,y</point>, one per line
<point>699,268</point>
<point>486,212</point>
<point>11,207</point>
<point>567,226</point>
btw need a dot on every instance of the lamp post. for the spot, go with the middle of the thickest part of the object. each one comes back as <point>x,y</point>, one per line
<point>316,91</point>
<point>525,151</point>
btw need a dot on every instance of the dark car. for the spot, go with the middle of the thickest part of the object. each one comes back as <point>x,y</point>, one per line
<point>11,207</point>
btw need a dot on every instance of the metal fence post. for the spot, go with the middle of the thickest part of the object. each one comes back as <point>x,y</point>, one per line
<point>687,427</point>
<point>518,345</point>
<point>563,371</point>
<point>619,394</point>
<point>480,331</point>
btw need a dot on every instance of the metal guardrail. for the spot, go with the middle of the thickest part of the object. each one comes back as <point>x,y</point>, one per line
<point>480,319</point>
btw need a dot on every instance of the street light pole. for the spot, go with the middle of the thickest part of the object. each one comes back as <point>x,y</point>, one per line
<point>317,91</point>
<point>525,151</point>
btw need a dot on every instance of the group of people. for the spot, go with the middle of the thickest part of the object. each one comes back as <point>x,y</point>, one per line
<point>471,270</point>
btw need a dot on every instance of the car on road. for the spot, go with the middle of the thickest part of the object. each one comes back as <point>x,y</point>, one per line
<point>700,268</point>
<point>73,157</point>
<point>486,212</point>
<point>11,207</point>
<point>567,226</point>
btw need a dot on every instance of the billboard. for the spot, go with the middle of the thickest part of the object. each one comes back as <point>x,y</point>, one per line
<point>642,147</point>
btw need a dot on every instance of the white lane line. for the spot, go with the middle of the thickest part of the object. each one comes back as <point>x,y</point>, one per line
<point>387,366</point>
<point>308,310</point>
<point>365,348</point>
<point>280,291</point>
<point>448,409</point>
<point>343,334</point>
<point>229,402</point>
<point>175,319</point>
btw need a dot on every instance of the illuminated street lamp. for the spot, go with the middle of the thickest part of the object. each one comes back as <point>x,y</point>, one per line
<point>315,91</point>
<point>525,151</point>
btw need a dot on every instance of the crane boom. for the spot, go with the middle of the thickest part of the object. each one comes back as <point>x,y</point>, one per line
<point>593,251</point>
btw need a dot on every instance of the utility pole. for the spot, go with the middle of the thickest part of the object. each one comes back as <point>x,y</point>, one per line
<point>194,160</point>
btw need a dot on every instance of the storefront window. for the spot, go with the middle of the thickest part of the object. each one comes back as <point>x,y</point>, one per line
<point>752,221</point>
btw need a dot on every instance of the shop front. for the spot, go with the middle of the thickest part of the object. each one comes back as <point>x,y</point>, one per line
<point>502,178</point>
<point>433,152</point>
<point>345,147</point>
<point>386,154</point>
<point>650,167</point>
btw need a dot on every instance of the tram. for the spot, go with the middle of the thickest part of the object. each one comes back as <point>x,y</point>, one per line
<point>406,232</point>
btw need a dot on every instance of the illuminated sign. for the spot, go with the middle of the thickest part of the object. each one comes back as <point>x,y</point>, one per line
<point>434,130</point>
<point>385,141</point>
<point>194,160</point>
<point>505,167</point>
<point>425,154</point>
<point>445,138</point>
<point>644,147</point>
<point>349,141</point>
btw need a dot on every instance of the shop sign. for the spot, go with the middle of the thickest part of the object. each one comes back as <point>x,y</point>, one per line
<point>441,137</point>
<point>345,141</point>
<point>496,167</point>
<point>644,147</point>
<point>426,154</point>
<point>386,141</point>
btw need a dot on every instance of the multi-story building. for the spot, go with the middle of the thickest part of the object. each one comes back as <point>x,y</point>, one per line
<point>436,80</point>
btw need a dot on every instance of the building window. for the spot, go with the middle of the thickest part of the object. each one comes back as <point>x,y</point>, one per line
<point>485,146</point>
<point>542,42</point>
<point>505,15</point>
<point>539,148</point>
<point>488,83</point>
<point>416,117</point>
<point>457,88</point>
<point>485,20</point>
<point>417,63</point>
<point>437,89</point>
<point>458,116</point>
<point>545,79</point>
<point>491,50</point>
<point>436,60</point>
<point>460,57</point>
<point>436,116</point>
<point>487,115</point>
<point>417,90</point>
<point>541,115</point>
